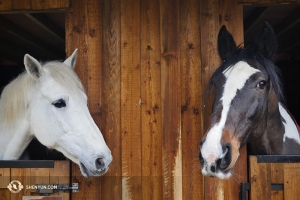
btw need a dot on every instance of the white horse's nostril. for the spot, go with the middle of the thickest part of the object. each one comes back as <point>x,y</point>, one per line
<point>100,164</point>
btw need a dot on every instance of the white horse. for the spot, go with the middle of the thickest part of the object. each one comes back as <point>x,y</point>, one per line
<point>48,102</point>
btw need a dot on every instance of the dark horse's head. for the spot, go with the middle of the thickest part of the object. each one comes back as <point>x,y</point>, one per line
<point>247,95</point>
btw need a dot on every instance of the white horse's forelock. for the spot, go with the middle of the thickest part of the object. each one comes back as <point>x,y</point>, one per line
<point>14,98</point>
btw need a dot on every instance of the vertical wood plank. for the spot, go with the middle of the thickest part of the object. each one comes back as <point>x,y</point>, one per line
<point>260,179</point>
<point>214,14</point>
<point>231,15</point>
<point>130,100</point>
<point>24,176</point>
<point>291,181</point>
<point>151,101</point>
<point>210,61</point>
<point>277,178</point>
<point>171,100</point>
<point>4,181</point>
<point>4,177</point>
<point>111,97</point>
<point>84,31</point>
<point>191,98</point>
<point>60,174</point>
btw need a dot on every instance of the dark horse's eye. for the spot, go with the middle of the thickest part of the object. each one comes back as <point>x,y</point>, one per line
<point>60,103</point>
<point>261,85</point>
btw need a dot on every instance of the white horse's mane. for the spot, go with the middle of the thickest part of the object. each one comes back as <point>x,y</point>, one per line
<point>14,98</point>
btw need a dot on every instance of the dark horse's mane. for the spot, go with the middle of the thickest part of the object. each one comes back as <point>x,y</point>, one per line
<point>244,54</point>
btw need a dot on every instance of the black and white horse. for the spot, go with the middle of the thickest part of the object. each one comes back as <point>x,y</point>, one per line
<point>248,106</point>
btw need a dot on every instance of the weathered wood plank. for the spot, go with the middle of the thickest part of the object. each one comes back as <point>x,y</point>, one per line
<point>130,100</point>
<point>171,99</point>
<point>191,98</point>
<point>231,15</point>
<point>21,4</point>
<point>152,106</point>
<point>111,97</point>
<point>83,31</point>
<point>60,174</point>
<point>4,181</point>
<point>210,60</point>
<point>49,4</point>
<point>260,179</point>
<point>277,178</point>
<point>291,181</point>
<point>4,177</point>
<point>16,5</point>
<point>24,176</point>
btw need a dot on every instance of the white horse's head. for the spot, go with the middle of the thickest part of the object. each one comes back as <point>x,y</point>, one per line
<point>59,117</point>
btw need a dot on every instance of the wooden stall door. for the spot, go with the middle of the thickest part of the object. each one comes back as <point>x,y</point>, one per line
<point>263,175</point>
<point>29,177</point>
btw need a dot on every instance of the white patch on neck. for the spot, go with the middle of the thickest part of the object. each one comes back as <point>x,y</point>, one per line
<point>236,76</point>
<point>291,130</point>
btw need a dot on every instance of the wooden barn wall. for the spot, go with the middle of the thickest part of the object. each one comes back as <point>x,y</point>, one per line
<point>145,65</point>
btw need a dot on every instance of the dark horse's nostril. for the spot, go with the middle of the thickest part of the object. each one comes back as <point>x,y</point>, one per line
<point>201,142</point>
<point>201,158</point>
<point>100,163</point>
<point>225,161</point>
<point>213,168</point>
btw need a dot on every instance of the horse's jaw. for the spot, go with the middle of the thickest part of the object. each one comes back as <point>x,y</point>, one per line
<point>89,165</point>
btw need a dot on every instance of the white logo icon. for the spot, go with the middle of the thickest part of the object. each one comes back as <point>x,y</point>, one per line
<point>15,186</point>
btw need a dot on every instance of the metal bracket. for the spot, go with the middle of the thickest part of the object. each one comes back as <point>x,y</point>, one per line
<point>47,189</point>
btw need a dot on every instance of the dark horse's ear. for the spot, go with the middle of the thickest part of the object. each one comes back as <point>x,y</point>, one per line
<point>226,44</point>
<point>266,42</point>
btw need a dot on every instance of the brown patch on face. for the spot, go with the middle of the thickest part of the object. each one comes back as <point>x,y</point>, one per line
<point>228,137</point>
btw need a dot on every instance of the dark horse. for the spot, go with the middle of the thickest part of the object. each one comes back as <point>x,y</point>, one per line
<point>248,106</point>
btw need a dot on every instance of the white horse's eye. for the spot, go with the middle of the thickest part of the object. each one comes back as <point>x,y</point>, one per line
<point>60,103</point>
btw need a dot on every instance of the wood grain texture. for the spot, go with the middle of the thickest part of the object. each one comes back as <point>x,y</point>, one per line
<point>111,96</point>
<point>231,15</point>
<point>5,194</point>
<point>210,61</point>
<point>130,100</point>
<point>171,100</point>
<point>33,5</point>
<point>84,29</point>
<point>291,181</point>
<point>49,4</point>
<point>191,98</point>
<point>151,105</point>
<point>260,179</point>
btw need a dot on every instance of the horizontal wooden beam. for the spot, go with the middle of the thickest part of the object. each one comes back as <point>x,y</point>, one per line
<point>33,5</point>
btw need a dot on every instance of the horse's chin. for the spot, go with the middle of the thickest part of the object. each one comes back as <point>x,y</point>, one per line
<point>90,173</point>
<point>223,175</point>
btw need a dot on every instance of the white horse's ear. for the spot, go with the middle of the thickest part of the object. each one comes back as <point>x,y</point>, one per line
<point>71,61</point>
<point>33,67</point>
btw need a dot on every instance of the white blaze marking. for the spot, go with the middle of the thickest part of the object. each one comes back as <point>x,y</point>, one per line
<point>291,130</point>
<point>236,77</point>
